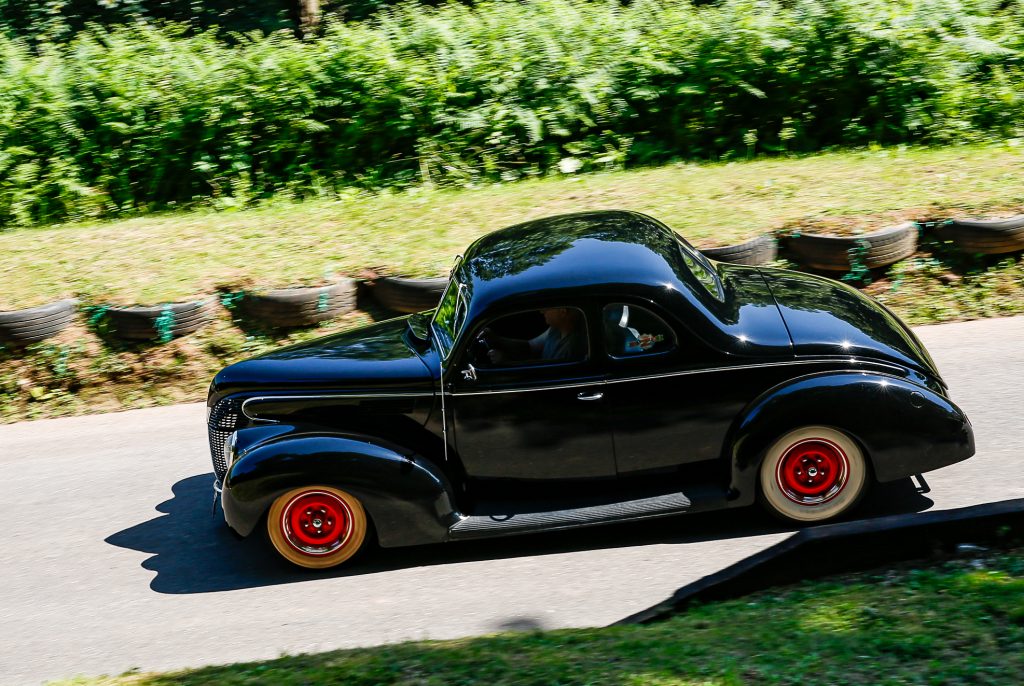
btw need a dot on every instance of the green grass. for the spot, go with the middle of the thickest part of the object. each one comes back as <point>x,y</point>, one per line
<point>959,622</point>
<point>179,255</point>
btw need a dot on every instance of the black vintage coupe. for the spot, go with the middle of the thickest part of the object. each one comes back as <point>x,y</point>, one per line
<point>579,370</point>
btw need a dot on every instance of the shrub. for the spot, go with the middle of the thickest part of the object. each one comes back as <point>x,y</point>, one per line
<point>143,117</point>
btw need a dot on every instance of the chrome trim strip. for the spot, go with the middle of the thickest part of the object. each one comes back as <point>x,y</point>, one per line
<point>788,363</point>
<point>330,396</point>
<point>687,372</point>
<point>586,384</point>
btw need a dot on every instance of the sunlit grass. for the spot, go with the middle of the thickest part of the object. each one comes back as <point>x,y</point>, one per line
<point>178,255</point>
<point>949,624</point>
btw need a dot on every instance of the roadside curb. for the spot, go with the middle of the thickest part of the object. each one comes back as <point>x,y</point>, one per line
<point>843,547</point>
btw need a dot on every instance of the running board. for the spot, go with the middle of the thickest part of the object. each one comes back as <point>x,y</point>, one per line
<point>481,526</point>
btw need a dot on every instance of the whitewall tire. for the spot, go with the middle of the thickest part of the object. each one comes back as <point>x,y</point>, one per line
<point>813,474</point>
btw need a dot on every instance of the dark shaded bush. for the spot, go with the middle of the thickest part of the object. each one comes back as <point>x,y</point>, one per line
<point>140,117</point>
<point>59,20</point>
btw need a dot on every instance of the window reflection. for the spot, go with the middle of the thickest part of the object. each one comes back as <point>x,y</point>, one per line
<point>544,336</point>
<point>450,316</point>
<point>631,331</point>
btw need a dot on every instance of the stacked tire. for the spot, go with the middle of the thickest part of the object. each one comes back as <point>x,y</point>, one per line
<point>760,250</point>
<point>842,253</point>
<point>295,307</point>
<point>22,327</point>
<point>408,295</point>
<point>160,322</point>
<point>985,236</point>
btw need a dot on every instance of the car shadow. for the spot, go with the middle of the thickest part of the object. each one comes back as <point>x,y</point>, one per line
<point>192,551</point>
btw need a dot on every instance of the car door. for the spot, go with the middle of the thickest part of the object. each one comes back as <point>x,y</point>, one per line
<point>532,419</point>
<point>670,400</point>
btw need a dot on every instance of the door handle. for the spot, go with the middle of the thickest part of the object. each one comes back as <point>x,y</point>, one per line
<point>583,395</point>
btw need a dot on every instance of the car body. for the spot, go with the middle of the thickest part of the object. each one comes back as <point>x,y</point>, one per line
<point>694,386</point>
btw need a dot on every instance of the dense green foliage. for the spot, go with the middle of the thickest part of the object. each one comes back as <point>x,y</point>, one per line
<point>141,117</point>
<point>60,20</point>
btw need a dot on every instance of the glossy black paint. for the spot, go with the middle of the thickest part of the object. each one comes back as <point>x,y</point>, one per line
<point>543,434</point>
<point>827,317</point>
<point>406,497</point>
<point>622,254</point>
<point>382,413</point>
<point>904,428</point>
<point>377,358</point>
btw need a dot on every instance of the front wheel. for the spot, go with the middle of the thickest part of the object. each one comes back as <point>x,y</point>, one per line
<point>317,526</point>
<point>813,474</point>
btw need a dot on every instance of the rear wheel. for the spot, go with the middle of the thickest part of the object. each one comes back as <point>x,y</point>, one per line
<point>317,526</point>
<point>813,474</point>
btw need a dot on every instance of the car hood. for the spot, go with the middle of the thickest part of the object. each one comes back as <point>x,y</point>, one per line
<point>375,358</point>
<point>826,317</point>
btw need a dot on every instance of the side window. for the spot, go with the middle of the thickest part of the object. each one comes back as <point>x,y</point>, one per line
<point>632,331</point>
<point>552,335</point>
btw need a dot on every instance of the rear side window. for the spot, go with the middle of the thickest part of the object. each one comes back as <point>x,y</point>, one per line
<point>633,331</point>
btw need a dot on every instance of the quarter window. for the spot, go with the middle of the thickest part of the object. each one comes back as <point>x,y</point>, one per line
<point>633,331</point>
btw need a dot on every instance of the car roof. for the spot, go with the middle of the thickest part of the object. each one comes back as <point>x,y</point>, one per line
<point>572,253</point>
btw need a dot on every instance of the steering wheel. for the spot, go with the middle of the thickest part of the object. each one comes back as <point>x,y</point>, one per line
<point>480,350</point>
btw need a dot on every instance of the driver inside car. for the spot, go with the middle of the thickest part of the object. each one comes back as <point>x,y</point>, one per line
<point>563,340</point>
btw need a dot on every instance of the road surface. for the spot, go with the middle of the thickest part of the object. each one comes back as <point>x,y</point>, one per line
<point>113,561</point>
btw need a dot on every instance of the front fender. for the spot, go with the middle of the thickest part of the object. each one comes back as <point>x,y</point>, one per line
<point>407,497</point>
<point>903,428</point>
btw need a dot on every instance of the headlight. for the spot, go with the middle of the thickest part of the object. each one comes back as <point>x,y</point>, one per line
<point>229,449</point>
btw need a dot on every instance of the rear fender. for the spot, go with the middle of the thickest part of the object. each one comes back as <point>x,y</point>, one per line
<point>407,497</point>
<point>903,428</point>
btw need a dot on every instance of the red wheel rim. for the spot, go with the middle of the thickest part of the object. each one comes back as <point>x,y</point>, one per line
<point>812,471</point>
<point>317,522</point>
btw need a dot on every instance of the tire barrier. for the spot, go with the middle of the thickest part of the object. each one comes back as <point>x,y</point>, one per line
<point>298,307</point>
<point>847,253</point>
<point>408,295</point>
<point>760,250</point>
<point>294,307</point>
<point>21,327</point>
<point>987,236</point>
<point>159,322</point>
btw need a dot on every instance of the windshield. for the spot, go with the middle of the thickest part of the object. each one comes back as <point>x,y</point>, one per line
<point>450,316</point>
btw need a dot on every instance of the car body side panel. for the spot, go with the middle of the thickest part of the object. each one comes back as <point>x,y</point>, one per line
<point>407,497</point>
<point>666,420</point>
<point>904,428</point>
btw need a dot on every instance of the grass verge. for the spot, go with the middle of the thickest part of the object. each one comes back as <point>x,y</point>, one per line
<point>177,256</point>
<point>957,622</point>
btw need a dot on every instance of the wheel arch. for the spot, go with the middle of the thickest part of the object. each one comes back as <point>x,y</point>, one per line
<point>902,428</point>
<point>408,500</point>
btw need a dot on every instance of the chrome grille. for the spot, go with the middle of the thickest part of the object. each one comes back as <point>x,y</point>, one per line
<point>225,418</point>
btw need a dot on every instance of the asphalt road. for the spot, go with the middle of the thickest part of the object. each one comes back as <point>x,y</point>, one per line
<point>112,560</point>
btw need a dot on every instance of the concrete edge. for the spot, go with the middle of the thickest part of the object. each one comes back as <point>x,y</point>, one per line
<point>844,547</point>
